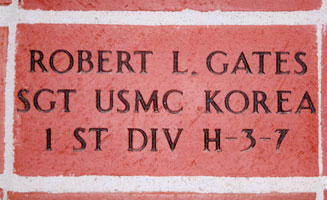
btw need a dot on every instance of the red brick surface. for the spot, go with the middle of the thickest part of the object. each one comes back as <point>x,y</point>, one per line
<point>324,99</point>
<point>3,62</point>
<point>5,2</point>
<point>174,5</point>
<point>159,196</point>
<point>297,155</point>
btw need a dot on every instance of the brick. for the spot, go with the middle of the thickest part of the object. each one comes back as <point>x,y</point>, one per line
<point>160,196</point>
<point>3,62</point>
<point>5,2</point>
<point>174,5</point>
<point>324,98</point>
<point>297,154</point>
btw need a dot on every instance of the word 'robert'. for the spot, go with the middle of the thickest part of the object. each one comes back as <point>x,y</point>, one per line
<point>217,62</point>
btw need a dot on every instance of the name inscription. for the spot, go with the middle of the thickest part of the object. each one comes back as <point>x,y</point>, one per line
<point>85,58</point>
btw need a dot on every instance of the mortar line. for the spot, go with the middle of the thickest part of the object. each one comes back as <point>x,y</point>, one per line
<point>184,17</point>
<point>9,97</point>
<point>324,4</point>
<point>91,184</point>
<point>320,194</point>
<point>5,196</point>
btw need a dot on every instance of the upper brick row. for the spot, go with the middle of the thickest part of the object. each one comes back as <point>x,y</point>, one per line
<point>170,5</point>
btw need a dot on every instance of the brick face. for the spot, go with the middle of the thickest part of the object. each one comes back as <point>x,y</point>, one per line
<point>296,156</point>
<point>5,2</point>
<point>3,62</point>
<point>159,196</point>
<point>163,99</point>
<point>174,5</point>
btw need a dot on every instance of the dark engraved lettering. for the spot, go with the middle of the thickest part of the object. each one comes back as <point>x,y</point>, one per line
<point>81,60</point>
<point>280,101</point>
<point>71,61</point>
<point>207,140</point>
<point>124,101</point>
<point>98,101</point>
<point>38,61</point>
<point>66,97</point>
<point>250,137</point>
<point>154,139</point>
<point>209,66</point>
<point>24,100</point>
<point>172,144</point>
<point>299,61</point>
<point>261,60</point>
<point>256,102</point>
<point>176,71</point>
<point>246,101</point>
<point>153,99</point>
<point>130,139</point>
<point>231,138</point>
<point>80,139</point>
<point>264,138</point>
<point>245,63</point>
<point>283,133</point>
<point>36,101</point>
<point>143,59</point>
<point>209,100</point>
<point>48,148</point>
<point>306,97</point>
<point>101,60</point>
<point>279,61</point>
<point>98,132</point>
<point>165,103</point>
<point>125,62</point>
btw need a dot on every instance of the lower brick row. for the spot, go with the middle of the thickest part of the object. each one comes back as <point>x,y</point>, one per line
<point>160,196</point>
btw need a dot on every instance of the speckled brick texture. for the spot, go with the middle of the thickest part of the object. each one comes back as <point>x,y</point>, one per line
<point>324,98</point>
<point>5,2</point>
<point>278,137</point>
<point>159,196</point>
<point>3,62</point>
<point>174,5</point>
